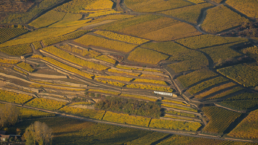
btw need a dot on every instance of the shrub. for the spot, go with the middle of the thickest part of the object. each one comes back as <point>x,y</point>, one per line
<point>217,117</point>
<point>65,55</point>
<point>221,18</point>
<point>25,66</point>
<point>150,87</point>
<point>175,125</point>
<point>95,114</point>
<point>143,55</point>
<point>126,119</point>
<point>91,40</point>
<point>244,74</point>
<point>195,77</point>
<point>14,97</point>
<point>190,13</point>
<point>206,84</point>
<point>129,106</point>
<point>179,107</point>
<point>120,37</point>
<point>46,103</point>
<point>17,50</point>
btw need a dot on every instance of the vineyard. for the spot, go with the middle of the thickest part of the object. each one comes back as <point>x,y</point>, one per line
<point>46,103</point>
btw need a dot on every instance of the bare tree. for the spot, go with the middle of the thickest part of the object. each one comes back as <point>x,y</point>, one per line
<point>38,133</point>
<point>8,115</point>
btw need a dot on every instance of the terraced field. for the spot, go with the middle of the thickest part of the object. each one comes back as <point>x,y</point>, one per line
<point>170,58</point>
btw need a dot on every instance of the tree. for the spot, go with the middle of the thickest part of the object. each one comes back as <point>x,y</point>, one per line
<point>38,133</point>
<point>8,115</point>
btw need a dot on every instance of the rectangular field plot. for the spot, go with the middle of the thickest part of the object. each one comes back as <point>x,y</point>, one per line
<point>9,61</point>
<point>106,58</point>
<point>150,87</point>
<point>195,77</point>
<point>176,102</point>
<point>90,113</point>
<point>123,72</point>
<point>46,104</point>
<point>143,55</point>
<point>180,113</point>
<point>47,19</point>
<point>154,5</point>
<point>67,19</point>
<point>25,66</point>
<point>220,119</point>
<point>221,52</point>
<point>215,89</point>
<point>118,78</point>
<point>247,7</point>
<point>14,97</point>
<point>8,33</point>
<point>227,92</point>
<point>90,40</point>
<point>206,84</point>
<point>190,13</point>
<point>120,37</point>
<point>175,125</point>
<point>104,91</point>
<point>150,81</point>
<point>221,18</point>
<point>247,128</point>
<point>244,74</point>
<point>67,56</point>
<point>202,41</point>
<point>241,101</point>
<point>126,119</point>
<point>114,83</point>
<point>79,51</point>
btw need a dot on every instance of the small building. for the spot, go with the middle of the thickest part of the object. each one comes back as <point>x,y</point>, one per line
<point>4,137</point>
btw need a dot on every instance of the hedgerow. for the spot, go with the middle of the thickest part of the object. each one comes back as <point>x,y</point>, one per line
<point>217,117</point>
<point>65,55</point>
